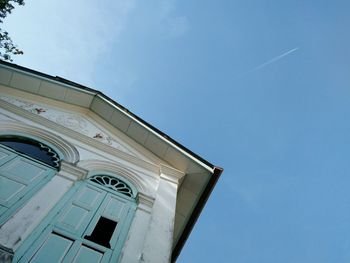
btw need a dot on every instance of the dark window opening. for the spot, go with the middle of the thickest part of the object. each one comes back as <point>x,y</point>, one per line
<point>33,149</point>
<point>102,232</point>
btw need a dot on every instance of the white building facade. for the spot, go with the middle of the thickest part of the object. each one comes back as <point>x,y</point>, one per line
<point>84,180</point>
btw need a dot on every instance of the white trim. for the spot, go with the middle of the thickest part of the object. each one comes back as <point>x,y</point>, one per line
<point>116,168</point>
<point>157,134</point>
<point>72,172</point>
<point>70,153</point>
<point>42,78</point>
<point>171,174</point>
<point>78,136</point>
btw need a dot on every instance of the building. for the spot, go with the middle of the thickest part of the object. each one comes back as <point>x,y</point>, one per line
<point>82,179</point>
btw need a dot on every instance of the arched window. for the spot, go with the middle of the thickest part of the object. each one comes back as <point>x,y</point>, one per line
<point>112,183</point>
<point>31,148</point>
<point>25,166</point>
<point>90,224</point>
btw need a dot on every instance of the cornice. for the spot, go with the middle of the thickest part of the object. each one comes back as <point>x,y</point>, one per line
<point>72,172</point>
<point>171,174</point>
<point>145,202</point>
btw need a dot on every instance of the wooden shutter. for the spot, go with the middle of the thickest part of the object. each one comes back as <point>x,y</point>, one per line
<point>20,178</point>
<point>64,239</point>
<point>80,210</point>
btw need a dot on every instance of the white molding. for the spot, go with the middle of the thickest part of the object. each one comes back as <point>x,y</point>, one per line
<point>137,149</point>
<point>116,107</point>
<point>162,138</point>
<point>69,152</point>
<point>145,202</point>
<point>72,172</point>
<point>77,136</point>
<point>117,168</point>
<point>171,174</point>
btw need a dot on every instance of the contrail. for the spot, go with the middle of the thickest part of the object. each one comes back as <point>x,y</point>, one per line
<point>273,60</point>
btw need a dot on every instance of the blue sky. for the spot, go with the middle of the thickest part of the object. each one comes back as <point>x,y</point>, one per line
<point>218,77</point>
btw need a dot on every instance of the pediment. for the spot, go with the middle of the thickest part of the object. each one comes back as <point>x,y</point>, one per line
<point>110,127</point>
<point>75,121</point>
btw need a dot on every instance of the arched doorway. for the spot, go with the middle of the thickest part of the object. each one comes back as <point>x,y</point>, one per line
<point>25,166</point>
<point>91,226</point>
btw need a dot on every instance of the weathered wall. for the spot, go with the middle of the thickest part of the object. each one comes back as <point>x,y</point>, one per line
<point>98,147</point>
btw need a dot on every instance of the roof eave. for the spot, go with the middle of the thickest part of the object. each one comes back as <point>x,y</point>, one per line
<point>196,212</point>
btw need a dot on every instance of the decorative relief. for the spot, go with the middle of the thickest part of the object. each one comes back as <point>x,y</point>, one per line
<point>73,121</point>
<point>55,159</point>
<point>39,110</point>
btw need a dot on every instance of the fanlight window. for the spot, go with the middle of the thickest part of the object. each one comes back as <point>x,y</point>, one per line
<point>112,183</point>
<point>33,149</point>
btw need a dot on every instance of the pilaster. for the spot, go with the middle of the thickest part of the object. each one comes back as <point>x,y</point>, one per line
<point>159,239</point>
<point>134,244</point>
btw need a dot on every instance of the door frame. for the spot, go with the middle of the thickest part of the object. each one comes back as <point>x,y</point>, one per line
<point>47,226</point>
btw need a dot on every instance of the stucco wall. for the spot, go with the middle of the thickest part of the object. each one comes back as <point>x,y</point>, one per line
<point>98,147</point>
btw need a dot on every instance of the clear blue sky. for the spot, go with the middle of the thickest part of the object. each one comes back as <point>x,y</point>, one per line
<point>261,88</point>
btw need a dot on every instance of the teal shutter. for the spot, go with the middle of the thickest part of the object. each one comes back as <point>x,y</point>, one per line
<point>6,155</point>
<point>85,254</point>
<point>80,210</point>
<point>53,249</point>
<point>20,177</point>
<point>66,239</point>
<point>116,209</point>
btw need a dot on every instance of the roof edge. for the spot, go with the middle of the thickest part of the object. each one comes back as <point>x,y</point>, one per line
<point>216,171</point>
<point>196,212</point>
<point>116,104</point>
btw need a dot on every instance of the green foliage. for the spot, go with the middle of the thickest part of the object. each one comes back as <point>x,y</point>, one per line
<point>7,48</point>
